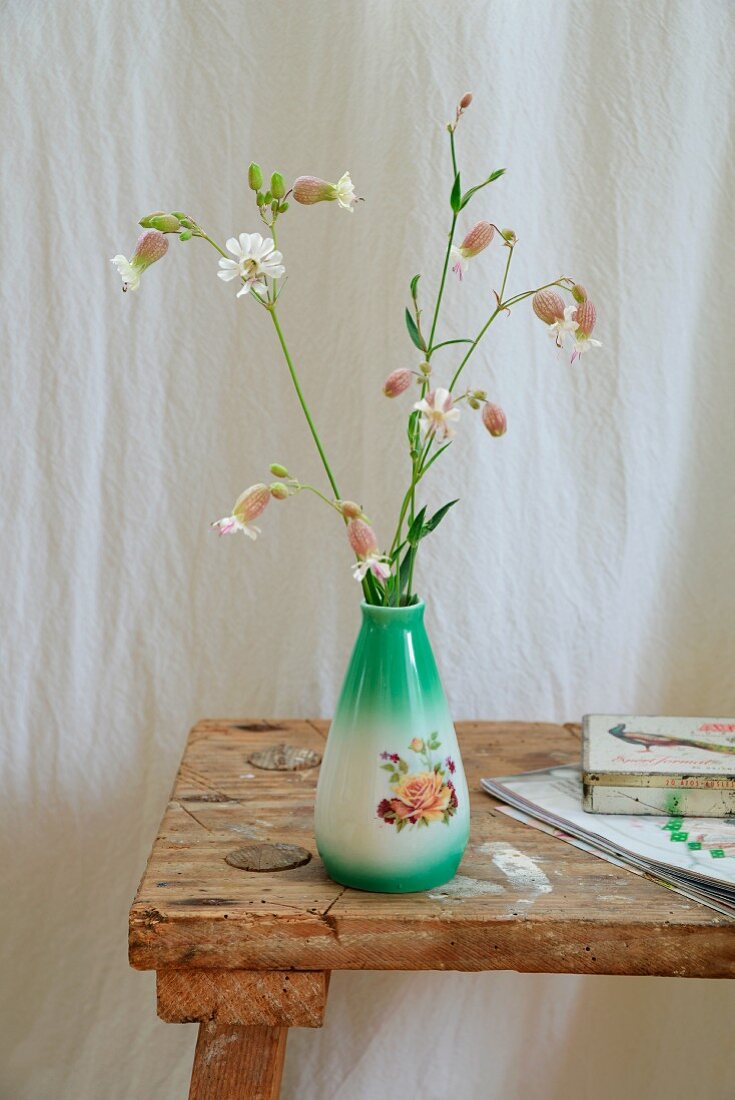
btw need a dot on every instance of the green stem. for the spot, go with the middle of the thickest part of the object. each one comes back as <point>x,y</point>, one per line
<point>500,307</point>
<point>302,401</point>
<point>369,587</point>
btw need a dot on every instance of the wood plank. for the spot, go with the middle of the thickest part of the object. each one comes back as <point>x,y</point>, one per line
<point>246,997</point>
<point>570,913</point>
<point>235,1063</point>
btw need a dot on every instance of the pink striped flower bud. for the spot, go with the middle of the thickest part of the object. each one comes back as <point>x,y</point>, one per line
<point>310,189</point>
<point>251,503</point>
<point>585,316</point>
<point>494,419</point>
<point>579,293</point>
<point>349,509</point>
<point>151,246</point>
<point>477,239</point>
<point>247,507</point>
<point>548,305</point>
<point>396,382</point>
<point>363,539</point>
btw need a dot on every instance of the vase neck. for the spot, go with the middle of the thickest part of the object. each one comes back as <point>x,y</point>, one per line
<point>404,618</point>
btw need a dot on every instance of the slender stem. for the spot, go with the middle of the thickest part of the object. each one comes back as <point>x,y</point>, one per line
<point>302,401</point>
<point>369,587</point>
<point>486,326</point>
<point>446,343</point>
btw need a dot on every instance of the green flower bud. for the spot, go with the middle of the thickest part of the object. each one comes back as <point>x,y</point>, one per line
<point>146,221</point>
<point>165,223</point>
<point>274,206</point>
<point>283,207</point>
<point>579,293</point>
<point>260,198</point>
<point>425,368</point>
<point>277,470</point>
<point>185,235</point>
<point>255,177</point>
<point>267,198</point>
<point>279,491</point>
<point>278,185</point>
<point>187,223</point>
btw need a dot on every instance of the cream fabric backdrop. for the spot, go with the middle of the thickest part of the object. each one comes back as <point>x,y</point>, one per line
<point>590,566</point>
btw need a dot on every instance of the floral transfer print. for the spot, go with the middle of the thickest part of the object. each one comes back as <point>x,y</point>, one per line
<point>418,798</point>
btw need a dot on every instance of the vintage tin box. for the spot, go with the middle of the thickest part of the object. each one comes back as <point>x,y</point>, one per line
<point>664,766</point>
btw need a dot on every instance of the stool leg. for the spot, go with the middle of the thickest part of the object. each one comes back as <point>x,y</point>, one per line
<point>238,1063</point>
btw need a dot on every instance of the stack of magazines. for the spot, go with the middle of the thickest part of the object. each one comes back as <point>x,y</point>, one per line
<point>694,856</point>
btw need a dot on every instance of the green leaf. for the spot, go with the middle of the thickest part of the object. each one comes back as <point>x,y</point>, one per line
<point>415,530</point>
<point>397,552</point>
<point>436,519</point>
<point>478,187</point>
<point>400,825</point>
<point>405,569</point>
<point>403,766</point>
<point>414,285</point>
<point>455,199</point>
<point>413,331</point>
<point>387,767</point>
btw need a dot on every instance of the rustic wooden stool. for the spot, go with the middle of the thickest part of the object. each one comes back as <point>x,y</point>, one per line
<point>247,953</point>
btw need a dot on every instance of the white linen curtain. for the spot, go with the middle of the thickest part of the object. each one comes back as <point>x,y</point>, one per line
<point>588,567</point>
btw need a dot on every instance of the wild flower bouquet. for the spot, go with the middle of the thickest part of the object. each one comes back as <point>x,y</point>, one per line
<point>254,263</point>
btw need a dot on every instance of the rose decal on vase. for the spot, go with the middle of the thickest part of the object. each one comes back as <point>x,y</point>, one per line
<point>418,798</point>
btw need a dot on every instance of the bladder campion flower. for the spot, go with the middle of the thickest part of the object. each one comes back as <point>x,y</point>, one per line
<point>256,259</point>
<point>494,419</point>
<point>437,413</point>
<point>585,317</point>
<point>476,241</point>
<point>364,542</point>
<point>548,305</point>
<point>248,507</point>
<point>310,189</point>
<point>151,246</point>
<point>398,381</point>
<point>564,327</point>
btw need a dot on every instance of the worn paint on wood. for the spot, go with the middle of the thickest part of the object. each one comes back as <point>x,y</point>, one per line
<point>522,901</point>
<point>234,1063</point>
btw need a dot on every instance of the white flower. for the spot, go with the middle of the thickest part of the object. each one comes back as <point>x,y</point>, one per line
<point>458,262</point>
<point>151,246</point>
<point>375,563</point>
<point>230,525</point>
<point>256,260</point>
<point>564,328</point>
<point>130,275</point>
<point>437,413</point>
<point>568,335</point>
<point>582,344</point>
<point>345,192</point>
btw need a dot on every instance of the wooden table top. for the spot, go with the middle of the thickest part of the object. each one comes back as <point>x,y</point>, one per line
<point>522,900</point>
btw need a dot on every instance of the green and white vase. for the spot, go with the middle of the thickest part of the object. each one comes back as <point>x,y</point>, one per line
<point>392,807</point>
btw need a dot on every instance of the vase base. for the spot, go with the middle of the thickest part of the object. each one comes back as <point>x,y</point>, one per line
<point>386,882</point>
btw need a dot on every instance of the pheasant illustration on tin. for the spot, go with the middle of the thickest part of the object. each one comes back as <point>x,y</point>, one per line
<point>653,740</point>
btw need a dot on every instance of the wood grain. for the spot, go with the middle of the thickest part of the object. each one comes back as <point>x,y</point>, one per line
<point>574,913</point>
<point>276,999</point>
<point>238,1063</point>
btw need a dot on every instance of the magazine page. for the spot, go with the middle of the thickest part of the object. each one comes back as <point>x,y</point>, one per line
<point>700,849</point>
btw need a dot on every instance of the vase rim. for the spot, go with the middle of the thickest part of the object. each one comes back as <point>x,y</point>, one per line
<point>379,613</point>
